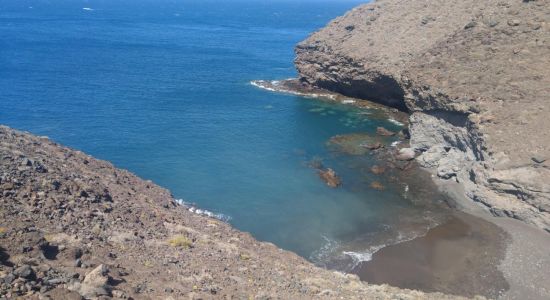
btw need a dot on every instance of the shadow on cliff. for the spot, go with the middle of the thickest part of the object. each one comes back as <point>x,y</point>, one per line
<point>382,89</point>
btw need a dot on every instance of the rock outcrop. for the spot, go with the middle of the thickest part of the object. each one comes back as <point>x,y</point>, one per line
<point>475,77</point>
<point>73,227</point>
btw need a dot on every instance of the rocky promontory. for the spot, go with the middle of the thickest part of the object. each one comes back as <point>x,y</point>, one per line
<point>475,77</point>
<point>74,227</point>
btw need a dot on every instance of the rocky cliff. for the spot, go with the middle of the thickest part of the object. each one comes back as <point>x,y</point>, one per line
<point>475,76</point>
<point>74,227</point>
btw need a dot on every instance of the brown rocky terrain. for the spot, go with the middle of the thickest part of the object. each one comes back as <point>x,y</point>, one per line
<point>475,76</point>
<point>73,227</point>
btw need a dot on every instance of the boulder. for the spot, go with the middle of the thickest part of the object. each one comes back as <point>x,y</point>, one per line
<point>95,283</point>
<point>25,271</point>
<point>405,154</point>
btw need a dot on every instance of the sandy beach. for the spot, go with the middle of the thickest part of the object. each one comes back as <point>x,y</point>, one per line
<point>473,253</point>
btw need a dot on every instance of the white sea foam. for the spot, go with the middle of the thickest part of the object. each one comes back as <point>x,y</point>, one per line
<point>395,122</point>
<point>262,84</point>
<point>394,144</point>
<point>359,257</point>
<point>348,101</point>
<point>203,212</point>
<point>275,86</point>
<point>406,191</point>
<point>87,8</point>
<point>364,256</point>
<point>321,255</point>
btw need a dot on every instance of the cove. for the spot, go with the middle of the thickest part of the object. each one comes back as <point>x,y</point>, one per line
<point>163,90</point>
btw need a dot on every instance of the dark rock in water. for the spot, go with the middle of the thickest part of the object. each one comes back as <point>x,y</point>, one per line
<point>373,146</point>
<point>377,170</point>
<point>330,177</point>
<point>384,132</point>
<point>355,143</point>
<point>377,186</point>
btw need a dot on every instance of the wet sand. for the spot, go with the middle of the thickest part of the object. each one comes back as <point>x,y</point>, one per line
<point>461,257</point>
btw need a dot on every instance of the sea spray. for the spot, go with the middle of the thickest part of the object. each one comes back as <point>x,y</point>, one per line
<point>203,212</point>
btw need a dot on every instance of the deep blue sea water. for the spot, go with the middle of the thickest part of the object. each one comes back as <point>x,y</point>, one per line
<point>162,88</point>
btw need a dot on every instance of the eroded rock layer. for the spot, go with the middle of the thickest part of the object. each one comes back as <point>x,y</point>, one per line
<point>475,76</point>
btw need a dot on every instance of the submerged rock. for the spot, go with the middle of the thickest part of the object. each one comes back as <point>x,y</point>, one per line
<point>373,146</point>
<point>355,143</point>
<point>330,178</point>
<point>377,170</point>
<point>384,132</point>
<point>377,186</point>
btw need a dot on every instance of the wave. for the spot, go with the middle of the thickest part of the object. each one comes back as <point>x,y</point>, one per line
<point>346,256</point>
<point>395,122</point>
<point>203,212</point>
<point>87,9</point>
<point>281,87</point>
<point>323,254</point>
<point>359,257</point>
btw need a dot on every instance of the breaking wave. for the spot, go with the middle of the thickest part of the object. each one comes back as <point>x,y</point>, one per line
<point>279,86</point>
<point>203,212</point>
<point>395,122</point>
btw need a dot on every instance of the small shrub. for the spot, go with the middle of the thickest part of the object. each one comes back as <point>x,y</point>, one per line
<point>179,241</point>
<point>3,230</point>
<point>148,264</point>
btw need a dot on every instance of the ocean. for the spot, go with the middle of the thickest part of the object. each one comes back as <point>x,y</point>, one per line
<point>163,89</point>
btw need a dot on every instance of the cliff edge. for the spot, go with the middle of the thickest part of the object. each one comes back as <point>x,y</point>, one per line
<point>475,76</point>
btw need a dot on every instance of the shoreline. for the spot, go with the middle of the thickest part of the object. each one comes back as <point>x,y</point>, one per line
<point>292,86</point>
<point>524,246</point>
<point>74,226</point>
<point>526,250</point>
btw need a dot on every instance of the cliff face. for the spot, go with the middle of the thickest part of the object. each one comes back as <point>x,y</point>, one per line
<point>475,76</point>
<point>74,227</point>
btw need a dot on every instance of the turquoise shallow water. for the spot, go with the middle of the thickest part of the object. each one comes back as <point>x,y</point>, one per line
<point>162,88</point>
